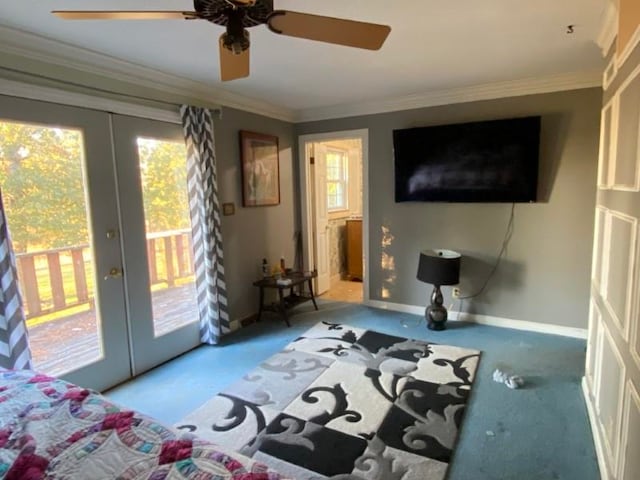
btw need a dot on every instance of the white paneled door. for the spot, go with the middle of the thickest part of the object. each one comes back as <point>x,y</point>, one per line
<point>612,378</point>
<point>97,206</point>
<point>321,228</point>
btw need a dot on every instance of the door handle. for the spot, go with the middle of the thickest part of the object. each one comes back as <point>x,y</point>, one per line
<point>113,273</point>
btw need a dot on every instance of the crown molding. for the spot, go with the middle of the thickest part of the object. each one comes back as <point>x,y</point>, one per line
<point>489,91</point>
<point>55,95</point>
<point>633,42</point>
<point>608,29</point>
<point>46,50</point>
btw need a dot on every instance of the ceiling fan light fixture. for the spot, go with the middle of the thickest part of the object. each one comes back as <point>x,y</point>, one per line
<point>236,43</point>
<point>236,38</point>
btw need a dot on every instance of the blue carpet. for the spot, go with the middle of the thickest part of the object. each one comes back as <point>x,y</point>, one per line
<point>538,432</point>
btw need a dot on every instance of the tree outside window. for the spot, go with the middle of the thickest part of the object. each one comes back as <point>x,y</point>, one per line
<point>337,180</point>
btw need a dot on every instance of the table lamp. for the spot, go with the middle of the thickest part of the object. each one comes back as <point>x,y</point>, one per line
<point>438,267</point>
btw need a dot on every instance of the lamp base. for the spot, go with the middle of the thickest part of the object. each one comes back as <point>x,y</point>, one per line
<point>435,314</point>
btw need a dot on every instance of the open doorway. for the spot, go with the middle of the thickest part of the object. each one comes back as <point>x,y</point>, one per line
<point>334,232</point>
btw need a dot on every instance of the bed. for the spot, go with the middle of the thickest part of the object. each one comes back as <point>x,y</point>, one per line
<point>52,429</point>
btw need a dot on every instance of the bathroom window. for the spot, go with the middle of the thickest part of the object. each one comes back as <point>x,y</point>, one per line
<point>337,180</point>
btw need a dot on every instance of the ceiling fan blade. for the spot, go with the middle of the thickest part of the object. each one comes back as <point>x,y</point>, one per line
<point>233,66</point>
<point>123,15</point>
<point>350,33</point>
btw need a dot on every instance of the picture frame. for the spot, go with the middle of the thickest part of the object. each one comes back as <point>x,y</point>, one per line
<point>260,168</point>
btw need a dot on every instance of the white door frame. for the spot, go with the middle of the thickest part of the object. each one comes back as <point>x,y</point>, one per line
<point>306,191</point>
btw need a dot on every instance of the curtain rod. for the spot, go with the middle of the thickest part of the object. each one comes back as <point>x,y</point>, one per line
<point>217,110</point>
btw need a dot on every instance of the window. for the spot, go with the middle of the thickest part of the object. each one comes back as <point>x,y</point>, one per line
<point>337,167</point>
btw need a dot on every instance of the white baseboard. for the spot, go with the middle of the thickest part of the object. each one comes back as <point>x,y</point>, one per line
<point>488,320</point>
<point>522,325</point>
<point>235,325</point>
<point>595,430</point>
<point>395,307</point>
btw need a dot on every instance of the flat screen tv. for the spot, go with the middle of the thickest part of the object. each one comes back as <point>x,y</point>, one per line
<point>491,161</point>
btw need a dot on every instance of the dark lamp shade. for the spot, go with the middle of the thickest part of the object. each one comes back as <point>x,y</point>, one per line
<point>439,267</point>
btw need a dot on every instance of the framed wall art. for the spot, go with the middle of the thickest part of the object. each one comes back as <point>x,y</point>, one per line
<point>260,169</point>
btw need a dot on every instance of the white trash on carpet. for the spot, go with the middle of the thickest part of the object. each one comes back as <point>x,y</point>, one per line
<point>511,381</point>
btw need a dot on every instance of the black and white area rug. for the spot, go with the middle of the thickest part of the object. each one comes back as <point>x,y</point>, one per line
<point>346,403</point>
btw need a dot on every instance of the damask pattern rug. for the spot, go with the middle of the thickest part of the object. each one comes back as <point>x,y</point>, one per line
<point>346,403</point>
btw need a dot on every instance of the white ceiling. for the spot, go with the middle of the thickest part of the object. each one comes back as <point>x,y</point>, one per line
<point>434,45</point>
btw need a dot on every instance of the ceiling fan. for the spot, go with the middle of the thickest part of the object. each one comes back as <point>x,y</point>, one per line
<point>238,15</point>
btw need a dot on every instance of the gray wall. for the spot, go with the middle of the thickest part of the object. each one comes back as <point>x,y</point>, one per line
<point>253,233</point>
<point>545,275</point>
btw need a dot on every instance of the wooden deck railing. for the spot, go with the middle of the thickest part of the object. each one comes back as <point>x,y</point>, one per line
<point>61,278</point>
<point>170,256</point>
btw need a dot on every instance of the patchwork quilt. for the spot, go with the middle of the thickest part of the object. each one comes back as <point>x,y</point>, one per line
<point>55,430</point>
<point>346,403</point>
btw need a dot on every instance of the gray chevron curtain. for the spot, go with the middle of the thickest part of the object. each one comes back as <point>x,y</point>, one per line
<point>14,341</point>
<point>205,223</point>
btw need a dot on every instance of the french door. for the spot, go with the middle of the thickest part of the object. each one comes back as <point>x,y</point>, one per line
<point>98,212</point>
<point>156,234</point>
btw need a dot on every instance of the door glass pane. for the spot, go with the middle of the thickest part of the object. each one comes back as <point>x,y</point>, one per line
<point>43,187</point>
<point>163,170</point>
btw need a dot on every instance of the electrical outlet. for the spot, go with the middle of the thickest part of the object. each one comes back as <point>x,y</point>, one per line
<point>456,293</point>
